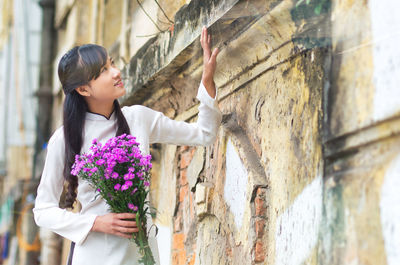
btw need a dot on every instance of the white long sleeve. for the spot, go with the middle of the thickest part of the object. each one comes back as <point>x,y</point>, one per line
<point>162,129</point>
<point>47,212</point>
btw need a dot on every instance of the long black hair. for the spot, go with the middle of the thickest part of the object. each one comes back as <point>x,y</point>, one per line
<point>76,68</point>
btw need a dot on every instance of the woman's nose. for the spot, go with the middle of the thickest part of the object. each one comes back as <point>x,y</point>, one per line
<point>116,73</point>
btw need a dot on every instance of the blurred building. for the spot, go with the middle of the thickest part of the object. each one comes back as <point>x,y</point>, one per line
<point>20,38</point>
<point>306,165</point>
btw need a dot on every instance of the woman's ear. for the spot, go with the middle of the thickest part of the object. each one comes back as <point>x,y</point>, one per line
<point>83,91</point>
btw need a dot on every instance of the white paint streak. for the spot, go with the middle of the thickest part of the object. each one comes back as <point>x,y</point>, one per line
<point>385,26</point>
<point>164,239</point>
<point>297,228</point>
<point>235,184</point>
<point>390,212</point>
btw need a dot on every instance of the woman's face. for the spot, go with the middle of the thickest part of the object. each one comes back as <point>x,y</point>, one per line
<point>108,85</point>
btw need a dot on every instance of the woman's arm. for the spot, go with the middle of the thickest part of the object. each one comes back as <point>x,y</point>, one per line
<point>47,212</point>
<point>203,132</point>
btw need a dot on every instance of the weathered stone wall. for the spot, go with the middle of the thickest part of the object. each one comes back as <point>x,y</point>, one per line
<point>362,145</point>
<point>306,163</point>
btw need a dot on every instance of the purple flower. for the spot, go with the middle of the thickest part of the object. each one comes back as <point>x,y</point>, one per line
<point>100,162</point>
<point>117,186</point>
<point>114,175</point>
<point>132,207</point>
<point>128,183</point>
<point>146,183</point>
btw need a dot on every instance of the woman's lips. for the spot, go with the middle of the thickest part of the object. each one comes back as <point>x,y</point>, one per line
<point>119,83</point>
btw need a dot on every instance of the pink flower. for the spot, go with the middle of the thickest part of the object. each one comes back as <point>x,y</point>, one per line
<point>146,183</point>
<point>132,207</point>
<point>100,162</point>
<point>117,186</point>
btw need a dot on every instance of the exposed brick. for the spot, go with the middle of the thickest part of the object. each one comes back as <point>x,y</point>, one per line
<point>260,224</point>
<point>183,192</point>
<point>261,192</point>
<point>184,148</point>
<point>178,223</point>
<point>178,241</point>
<point>183,177</point>
<point>179,257</point>
<point>192,259</point>
<point>260,206</point>
<point>259,252</point>
<point>186,157</point>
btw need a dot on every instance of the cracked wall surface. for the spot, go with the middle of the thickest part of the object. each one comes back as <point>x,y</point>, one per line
<point>305,164</point>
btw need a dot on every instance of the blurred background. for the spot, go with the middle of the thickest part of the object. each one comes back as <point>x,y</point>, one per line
<point>306,165</point>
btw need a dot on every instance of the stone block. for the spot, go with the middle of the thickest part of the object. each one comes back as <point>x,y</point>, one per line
<point>203,191</point>
<point>195,166</point>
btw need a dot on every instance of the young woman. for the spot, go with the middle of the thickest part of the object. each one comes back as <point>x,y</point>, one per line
<point>92,84</point>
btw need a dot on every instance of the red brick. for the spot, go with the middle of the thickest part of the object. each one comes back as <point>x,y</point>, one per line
<point>192,259</point>
<point>183,192</point>
<point>184,148</point>
<point>178,241</point>
<point>178,223</point>
<point>179,257</point>
<point>259,252</point>
<point>261,192</point>
<point>186,157</point>
<point>260,206</point>
<point>183,177</point>
<point>260,228</point>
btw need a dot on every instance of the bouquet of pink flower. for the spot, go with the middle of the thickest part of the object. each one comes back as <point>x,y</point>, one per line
<point>120,173</point>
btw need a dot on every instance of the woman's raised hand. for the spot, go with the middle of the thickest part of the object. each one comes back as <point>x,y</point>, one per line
<point>119,224</point>
<point>209,62</point>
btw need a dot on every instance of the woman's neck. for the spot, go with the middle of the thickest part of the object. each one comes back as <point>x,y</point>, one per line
<point>103,108</point>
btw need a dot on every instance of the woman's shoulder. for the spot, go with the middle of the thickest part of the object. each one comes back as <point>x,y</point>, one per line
<point>139,112</point>
<point>57,138</point>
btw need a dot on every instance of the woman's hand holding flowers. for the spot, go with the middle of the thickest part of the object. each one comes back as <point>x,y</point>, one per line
<point>119,224</point>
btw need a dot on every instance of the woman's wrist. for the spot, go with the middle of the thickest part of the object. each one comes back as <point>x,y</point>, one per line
<point>210,86</point>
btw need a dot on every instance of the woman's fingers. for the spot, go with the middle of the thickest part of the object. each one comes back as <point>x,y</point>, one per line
<point>123,235</point>
<point>126,215</point>
<point>214,55</point>
<point>205,40</point>
<point>126,230</point>
<point>125,223</point>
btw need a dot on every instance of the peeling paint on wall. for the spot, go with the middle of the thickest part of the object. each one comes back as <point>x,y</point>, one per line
<point>297,228</point>
<point>390,212</point>
<point>385,28</point>
<point>235,184</point>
